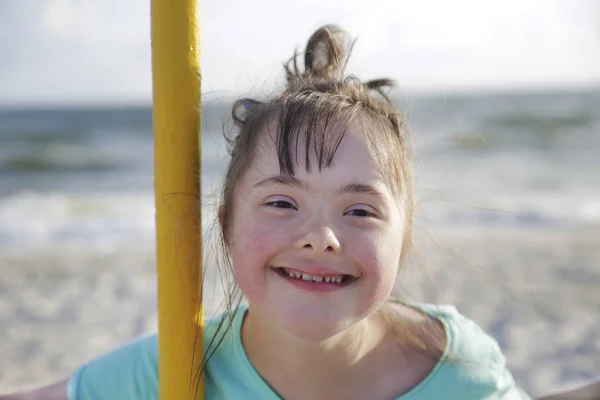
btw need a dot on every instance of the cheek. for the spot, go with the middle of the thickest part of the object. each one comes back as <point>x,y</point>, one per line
<point>380,256</point>
<point>254,242</point>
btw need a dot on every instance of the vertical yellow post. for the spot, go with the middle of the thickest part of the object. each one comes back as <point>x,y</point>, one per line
<point>176,118</point>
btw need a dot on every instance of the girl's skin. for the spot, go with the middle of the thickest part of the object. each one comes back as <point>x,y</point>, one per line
<point>322,340</point>
<point>343,220</point>
<point>57,391</point>
<point>328,344</point>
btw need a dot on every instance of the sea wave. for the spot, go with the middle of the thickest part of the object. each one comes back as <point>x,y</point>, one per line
<point>44,163</point>
<point>542,122</point>
<point>30,220</point>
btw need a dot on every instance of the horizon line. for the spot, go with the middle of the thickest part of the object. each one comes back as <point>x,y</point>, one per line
<point>226,97</point>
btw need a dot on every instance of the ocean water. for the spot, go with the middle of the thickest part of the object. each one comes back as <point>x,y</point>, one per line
<point>84,176</point>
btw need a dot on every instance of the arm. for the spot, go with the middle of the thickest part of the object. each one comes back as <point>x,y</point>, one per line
<point>590,391</point>
<point>57,391</point>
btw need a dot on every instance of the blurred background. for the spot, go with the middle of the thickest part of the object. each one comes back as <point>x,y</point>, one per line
<point>502,99</point>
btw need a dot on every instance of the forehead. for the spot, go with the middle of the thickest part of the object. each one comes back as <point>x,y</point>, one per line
<point>343,146</point>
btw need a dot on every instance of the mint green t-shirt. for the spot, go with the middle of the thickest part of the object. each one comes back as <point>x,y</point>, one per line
<point>130,372</point>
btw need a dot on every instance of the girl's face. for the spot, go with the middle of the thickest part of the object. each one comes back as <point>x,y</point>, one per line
<point>316,252</point>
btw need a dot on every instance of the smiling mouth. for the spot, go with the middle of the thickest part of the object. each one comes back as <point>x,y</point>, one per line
<point>326,279</point>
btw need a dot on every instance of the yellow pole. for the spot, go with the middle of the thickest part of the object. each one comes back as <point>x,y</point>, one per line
<point>176,118</point>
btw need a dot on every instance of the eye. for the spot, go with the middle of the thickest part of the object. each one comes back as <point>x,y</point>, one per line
<point>360,212</point>
<point>281,204</point>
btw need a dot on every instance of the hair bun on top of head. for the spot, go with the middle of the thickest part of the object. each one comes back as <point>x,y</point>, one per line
<point>325,57</point>
<point>327,52</point>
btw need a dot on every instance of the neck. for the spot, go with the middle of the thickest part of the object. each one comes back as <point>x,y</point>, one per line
<point>292,365</point>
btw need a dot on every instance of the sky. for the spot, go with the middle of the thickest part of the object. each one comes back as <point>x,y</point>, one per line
<point>98,51</point>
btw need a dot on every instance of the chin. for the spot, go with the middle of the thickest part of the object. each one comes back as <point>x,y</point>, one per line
<point>315,326</point>
<point>310,315</point>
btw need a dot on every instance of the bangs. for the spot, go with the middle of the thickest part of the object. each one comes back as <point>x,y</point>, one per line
<point>316,123</point>
<point>310,128</point>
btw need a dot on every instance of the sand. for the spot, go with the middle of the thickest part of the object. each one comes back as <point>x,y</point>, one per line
<point>536,291</point>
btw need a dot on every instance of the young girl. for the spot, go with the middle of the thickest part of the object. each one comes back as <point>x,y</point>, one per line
<point>316,219</point>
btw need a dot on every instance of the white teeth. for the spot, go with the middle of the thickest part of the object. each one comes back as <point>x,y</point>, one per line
<point>307,277</point>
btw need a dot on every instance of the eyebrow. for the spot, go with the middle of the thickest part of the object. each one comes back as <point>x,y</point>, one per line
<point>287,180</point>
<point>361,188</point>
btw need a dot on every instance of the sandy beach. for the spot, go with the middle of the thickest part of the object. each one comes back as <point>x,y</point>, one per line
<point>537,291</point>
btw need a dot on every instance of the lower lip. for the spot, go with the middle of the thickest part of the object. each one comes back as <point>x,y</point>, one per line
<point>315,287</point>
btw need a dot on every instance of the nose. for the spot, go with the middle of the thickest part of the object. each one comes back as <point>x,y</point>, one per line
<point>319,239</point>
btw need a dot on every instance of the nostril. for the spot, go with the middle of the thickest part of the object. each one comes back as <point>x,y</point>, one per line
<point>308,246</point>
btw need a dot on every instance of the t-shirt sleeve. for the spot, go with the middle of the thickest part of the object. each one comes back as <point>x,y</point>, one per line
<point>475,367</point>
<point>483,363</point>
<point>128,372</point>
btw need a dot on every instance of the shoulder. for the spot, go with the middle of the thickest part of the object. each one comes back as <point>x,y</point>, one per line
<point>473,365</point>
<point>466,340</point>
<point>130,371</point>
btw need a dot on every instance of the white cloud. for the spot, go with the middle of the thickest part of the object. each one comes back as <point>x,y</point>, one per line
<point>100,49</point>
<point>61,50</point>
